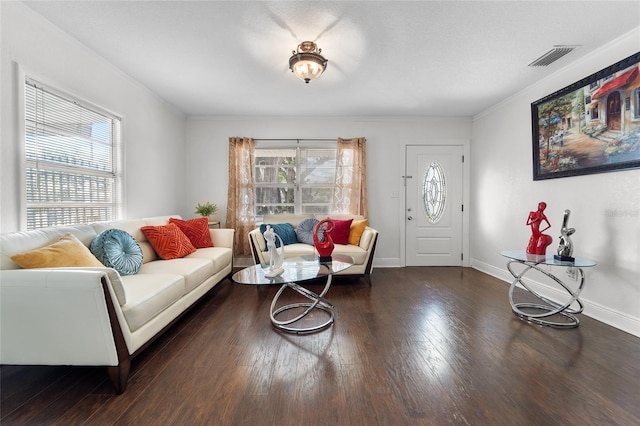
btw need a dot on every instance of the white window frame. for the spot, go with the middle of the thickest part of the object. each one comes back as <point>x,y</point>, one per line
<point>298,187</point>
<point>111,209</point>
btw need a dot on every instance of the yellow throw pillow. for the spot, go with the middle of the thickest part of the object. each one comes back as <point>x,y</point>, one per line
<point>67,251</point>
<point>356,230</point>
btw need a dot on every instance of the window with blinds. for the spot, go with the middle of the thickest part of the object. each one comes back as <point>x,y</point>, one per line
<point>72,160</point>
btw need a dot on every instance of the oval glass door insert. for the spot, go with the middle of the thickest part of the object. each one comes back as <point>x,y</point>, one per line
<point>434,192</point>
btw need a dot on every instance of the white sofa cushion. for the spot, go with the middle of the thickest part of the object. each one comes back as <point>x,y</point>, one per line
<point>293,250</point>
<point>358,254</point>
<point>220,256</point>
<point>195,271</point>
<point>150,294</point>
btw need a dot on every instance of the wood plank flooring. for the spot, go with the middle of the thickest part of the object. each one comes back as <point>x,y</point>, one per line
<point>420,346</point>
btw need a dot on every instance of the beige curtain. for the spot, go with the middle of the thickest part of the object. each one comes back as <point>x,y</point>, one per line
<point>241,202</point>
<point>350,194</point>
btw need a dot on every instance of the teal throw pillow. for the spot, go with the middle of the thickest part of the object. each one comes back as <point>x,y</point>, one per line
<point>284,230</point>
<point>117,249</point>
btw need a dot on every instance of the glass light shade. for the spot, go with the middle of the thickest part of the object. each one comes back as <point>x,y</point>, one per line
<point>307,63</point>
<point>307,70</point>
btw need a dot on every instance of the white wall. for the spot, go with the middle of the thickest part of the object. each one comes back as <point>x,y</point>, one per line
<point>153,131</point>
<point>605,208</point>
<point>208,151</point>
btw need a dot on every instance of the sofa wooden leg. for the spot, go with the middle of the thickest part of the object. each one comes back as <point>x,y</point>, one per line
<point>367,278</point>
<point>119,375</point>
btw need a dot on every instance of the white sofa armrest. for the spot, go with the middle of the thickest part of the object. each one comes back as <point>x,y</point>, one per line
<point>56,317</point>
<point>368,238</point>
<point>222,237</point>
<point>258,246</point>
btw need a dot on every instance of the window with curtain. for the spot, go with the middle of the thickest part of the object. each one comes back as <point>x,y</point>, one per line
<point>294,180</point>
<point>72,168</point>
<point>272,178</point>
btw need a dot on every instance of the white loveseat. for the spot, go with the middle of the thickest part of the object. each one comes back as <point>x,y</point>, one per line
<point>95,316</point>
<point>362,254</point>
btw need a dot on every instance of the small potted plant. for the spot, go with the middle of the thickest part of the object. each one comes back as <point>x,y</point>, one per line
<point>207,209</point>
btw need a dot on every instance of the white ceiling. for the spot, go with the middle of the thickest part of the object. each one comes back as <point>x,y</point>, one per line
<point>386,58</point>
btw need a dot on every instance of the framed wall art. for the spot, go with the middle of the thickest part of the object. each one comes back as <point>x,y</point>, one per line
<point>590,126</point>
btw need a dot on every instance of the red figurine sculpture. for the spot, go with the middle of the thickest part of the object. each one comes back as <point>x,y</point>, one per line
<point>325,248</point>
<point>538,242</point>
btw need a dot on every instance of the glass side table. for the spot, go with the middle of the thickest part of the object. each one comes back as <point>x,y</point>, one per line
<point>540,313</point>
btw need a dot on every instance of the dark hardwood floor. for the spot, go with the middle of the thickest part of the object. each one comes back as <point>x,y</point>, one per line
<point>421,346</point>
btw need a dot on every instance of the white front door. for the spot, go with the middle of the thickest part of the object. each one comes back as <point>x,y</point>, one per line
<point>433,212</point>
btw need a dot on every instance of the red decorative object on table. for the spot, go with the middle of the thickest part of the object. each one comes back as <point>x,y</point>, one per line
<point>324,248</point>
<point>538,242</point>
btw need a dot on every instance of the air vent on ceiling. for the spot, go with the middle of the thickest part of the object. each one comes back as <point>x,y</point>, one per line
<point>552,55</point>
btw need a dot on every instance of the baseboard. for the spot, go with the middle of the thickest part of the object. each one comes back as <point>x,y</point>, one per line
<point>592,309</point>
<point>389,262</point>
<point>243,261</point>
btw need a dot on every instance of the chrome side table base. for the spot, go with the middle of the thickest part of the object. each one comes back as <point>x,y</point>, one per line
<point>546,308</point>
<point>318,302</point>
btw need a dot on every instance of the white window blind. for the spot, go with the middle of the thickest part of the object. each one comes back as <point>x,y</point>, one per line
<point>72,160</point>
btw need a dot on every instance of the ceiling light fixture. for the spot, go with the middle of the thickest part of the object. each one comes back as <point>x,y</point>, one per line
<point>307,63</point>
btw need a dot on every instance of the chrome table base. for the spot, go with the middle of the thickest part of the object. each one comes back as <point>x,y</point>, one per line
<point>318,303</point>
<point>547,308</point>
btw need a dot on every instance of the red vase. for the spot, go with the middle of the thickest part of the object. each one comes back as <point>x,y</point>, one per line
<point>324,248</point>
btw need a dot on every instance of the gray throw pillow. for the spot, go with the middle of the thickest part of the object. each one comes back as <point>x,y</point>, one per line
<point>304,231</point>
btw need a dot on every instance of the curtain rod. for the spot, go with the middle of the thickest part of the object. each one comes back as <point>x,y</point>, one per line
<point>298,139</point>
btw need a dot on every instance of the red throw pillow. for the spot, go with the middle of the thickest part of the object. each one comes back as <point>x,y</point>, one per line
<point>197,230</point>
<point>340,234</point>
<point>168,241</point>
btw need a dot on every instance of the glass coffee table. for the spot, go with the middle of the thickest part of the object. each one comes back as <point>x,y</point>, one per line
<point>298,270</point>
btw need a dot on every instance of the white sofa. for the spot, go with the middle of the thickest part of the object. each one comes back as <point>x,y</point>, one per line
<point>362,254</point>
<point>95,316</point>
